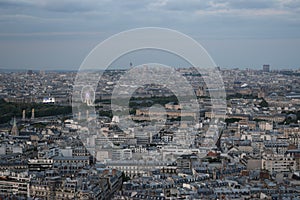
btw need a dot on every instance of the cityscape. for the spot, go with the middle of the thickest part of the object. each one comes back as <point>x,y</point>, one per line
<point>46,153</point>
<point>149,99</point>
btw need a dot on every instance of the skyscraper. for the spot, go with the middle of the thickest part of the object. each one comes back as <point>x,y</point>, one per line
<point>266,68</point>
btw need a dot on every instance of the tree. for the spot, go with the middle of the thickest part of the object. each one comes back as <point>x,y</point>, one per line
<point>264,103</point>
<point>125,178</point>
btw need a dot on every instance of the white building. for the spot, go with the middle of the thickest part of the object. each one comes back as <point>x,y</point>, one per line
<point>133,168</point>
<point>49,100</point>
<point>278,163</point>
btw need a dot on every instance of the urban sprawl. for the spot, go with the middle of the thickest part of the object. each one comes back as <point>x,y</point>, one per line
<point>52,147</point>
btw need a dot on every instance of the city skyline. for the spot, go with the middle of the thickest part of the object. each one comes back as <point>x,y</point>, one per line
<point>52,35</point>
<point>60,141</point>
<point>149,99</point>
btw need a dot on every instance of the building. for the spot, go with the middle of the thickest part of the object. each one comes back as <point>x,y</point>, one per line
<point>266,68</point>
<point>14,184</point>
<point>278,163</point>
<point>134,168</point>
<point>186,162</point>
<point>40,164</point>
<point>84,160</point>
<point>49,100</point>
<point>15,130</point>
<point>86,185</point>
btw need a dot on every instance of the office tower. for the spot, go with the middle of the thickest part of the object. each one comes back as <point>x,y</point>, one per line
<point>266,68</point>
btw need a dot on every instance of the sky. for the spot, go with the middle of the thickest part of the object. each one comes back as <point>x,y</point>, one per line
<point>59,34</point>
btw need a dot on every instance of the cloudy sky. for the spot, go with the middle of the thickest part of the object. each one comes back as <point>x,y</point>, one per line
<point>58,34</point>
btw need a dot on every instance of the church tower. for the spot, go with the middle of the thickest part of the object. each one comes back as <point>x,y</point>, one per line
<point>15,130</point>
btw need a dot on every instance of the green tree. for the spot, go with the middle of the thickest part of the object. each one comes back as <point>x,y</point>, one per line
<point>264,103</point>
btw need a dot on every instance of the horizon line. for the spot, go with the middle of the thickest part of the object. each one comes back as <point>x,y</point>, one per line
<point>124,68</point>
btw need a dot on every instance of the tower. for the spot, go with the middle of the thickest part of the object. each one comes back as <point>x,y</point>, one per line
<point>23,115</point>
<point>266,68</point>
<point>79,116</point>
<point>15,130</point>
<point>32,113</point>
